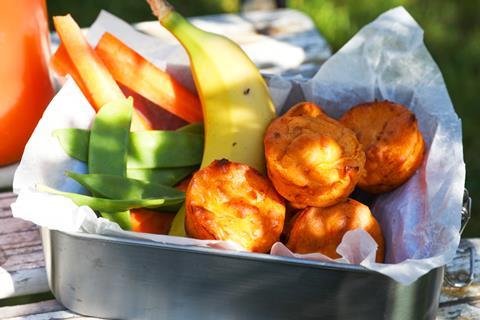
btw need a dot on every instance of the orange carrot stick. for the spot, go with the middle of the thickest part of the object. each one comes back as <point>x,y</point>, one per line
<point>87,68</point>
<point>61,62</point>
<point>100,85</point>
<point>135,72</point>
<point>63,65</point>
<point>149,221</point>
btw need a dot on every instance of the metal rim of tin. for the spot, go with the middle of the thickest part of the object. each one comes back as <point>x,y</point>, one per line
<point>339,266</point>
<point>225,253</point>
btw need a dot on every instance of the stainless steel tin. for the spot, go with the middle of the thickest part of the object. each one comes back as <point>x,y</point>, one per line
<point>129,279</point>
<point>120,278</point>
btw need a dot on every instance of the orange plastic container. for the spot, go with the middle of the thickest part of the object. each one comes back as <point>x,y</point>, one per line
<point>25,83</point>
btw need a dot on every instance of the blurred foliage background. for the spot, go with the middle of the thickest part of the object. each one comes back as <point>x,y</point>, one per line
<point>452,34</point>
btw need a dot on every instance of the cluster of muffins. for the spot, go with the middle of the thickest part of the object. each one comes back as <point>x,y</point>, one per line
<point>314,163</point>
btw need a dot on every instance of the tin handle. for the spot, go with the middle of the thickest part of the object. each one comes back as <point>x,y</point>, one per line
<point>456,282</point>
<point>466,210</point>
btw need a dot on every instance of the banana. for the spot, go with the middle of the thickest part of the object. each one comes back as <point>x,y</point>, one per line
<point>236,104</point>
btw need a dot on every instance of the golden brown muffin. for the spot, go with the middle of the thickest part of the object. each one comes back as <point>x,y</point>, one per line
<point>322,229</point>
<point>312,160</point>
<point>305,109</point>
<point>232,201</point>
<point>393,145</point>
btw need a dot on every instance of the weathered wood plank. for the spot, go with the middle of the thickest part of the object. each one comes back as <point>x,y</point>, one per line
<point>4,213</point>
<point>28,236</point>
<point>292,27</point>
<point>44,310</point>
<point>23,282</point>
<point>13,225</point>
<point>31,308</point>
<point>469,310</point>
<point>53,310</point>
<point>22,266</point>
<point>278,41</point>
<point>7,195</point>
<point>58,315</point>
<point>6,198</point>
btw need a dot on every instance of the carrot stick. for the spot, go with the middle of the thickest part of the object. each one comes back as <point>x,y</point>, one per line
<point>135,72</point>
<point>149,221</point>
<point>87,68</point>
<point>61,62</point>
<point>99,83</point>
<point>63,65</point>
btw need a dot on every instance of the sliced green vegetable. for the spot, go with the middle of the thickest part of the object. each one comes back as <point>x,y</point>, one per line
<point>147,150</point>
<point>116,187</point>
<point>165,176</point>
<point>164,149</point>
<point>109,205</point>
<point>107,153</point>
<point>196,128</point>
<point>74,142</point>
<point>109,138</point>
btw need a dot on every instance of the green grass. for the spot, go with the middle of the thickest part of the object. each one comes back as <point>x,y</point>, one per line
<point>452,34</point>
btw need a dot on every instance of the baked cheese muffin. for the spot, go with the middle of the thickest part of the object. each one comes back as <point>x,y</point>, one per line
<point>312,159</point>
<point>392,142</point>
<point>233,201</point>
<point>322,229</point>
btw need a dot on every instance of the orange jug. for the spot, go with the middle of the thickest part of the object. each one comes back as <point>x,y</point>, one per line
<point>25,84</point>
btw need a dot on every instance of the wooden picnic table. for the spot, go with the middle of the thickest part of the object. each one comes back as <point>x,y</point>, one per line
<point>24,291</point>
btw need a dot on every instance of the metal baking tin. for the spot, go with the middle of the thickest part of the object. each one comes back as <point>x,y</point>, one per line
<point>120,278</point>
<point>129,279</point>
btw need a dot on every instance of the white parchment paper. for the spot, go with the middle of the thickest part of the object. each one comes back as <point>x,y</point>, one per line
<point>385,60</point>
<point>420,220</point>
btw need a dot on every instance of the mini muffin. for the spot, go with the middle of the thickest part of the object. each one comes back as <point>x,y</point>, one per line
<point>322,229</point>
<point>305,109</point>
<point>392,142</point>
<point>312,160</point>
<point>232,201</point>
